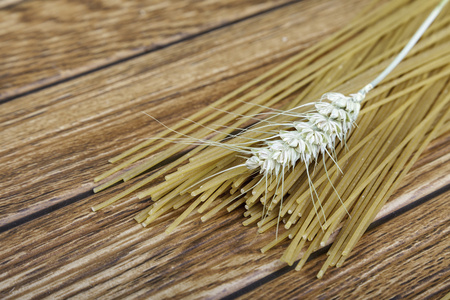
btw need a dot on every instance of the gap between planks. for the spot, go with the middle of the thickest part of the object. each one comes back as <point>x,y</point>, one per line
<point>71,48</point>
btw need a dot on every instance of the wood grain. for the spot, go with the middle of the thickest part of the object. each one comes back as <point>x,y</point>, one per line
<point>65,133</point>
<point>43,42</point>
<point>91,254</point>
<point>400,262</point>
<point>55,140</point>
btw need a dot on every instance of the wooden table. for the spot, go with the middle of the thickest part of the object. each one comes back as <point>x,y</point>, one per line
<point>75,77</point>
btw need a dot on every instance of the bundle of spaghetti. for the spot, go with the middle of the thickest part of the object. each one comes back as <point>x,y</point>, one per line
<point>342,191</point>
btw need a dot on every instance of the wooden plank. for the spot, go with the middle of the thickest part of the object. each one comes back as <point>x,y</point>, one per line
<point>50,151</point>
<point>44,42</point>
<point>53,142</point>
<point>434,164</point>
<point>72,251</point>
<point>406,257</point>
<point>9,3</point>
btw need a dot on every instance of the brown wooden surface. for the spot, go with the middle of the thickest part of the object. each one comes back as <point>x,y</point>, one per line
<point>43,42</point>
<point>90,69</point>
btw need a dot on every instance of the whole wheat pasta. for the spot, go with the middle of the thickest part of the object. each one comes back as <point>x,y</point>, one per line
<point>343,172</point>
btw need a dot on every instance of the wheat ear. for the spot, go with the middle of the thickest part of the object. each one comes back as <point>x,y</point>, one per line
<point>306,140</point>
<point>278,157</point>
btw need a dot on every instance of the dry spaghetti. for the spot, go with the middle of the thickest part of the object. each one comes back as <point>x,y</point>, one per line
<point>343,189</point>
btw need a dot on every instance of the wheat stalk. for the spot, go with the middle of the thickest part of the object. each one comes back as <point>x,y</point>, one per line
<point>276,157</point>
